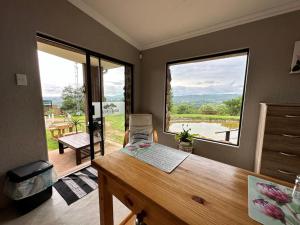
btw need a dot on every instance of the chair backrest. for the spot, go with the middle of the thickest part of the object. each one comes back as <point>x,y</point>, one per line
<point>140,121</point>
<point>139,125</point>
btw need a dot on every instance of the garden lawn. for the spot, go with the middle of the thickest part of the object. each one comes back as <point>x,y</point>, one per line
<point>204,117</point>
<point>51,143</point>
<point>114,130</point>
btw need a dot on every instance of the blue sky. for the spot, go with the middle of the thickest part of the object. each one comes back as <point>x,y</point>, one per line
<point>218,76</point>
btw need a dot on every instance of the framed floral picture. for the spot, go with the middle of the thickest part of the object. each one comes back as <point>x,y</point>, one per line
<point>272,204</point>
<point>295,68</point>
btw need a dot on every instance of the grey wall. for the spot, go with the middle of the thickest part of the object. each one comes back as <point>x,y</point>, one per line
<point>22,135</point>
<point>271,43</point>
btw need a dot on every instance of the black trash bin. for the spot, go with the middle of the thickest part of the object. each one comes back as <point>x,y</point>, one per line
<point>30,185</point>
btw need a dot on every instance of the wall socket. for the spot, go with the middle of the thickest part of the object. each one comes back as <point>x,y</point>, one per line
<point>21,79</point>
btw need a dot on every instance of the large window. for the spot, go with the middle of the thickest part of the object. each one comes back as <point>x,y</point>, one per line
<point>205,94</point>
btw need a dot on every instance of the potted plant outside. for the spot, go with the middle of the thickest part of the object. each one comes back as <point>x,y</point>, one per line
<point>75,122</point>
<point>185,140</point>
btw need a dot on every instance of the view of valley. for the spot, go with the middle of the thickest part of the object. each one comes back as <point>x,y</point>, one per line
<point>205,96</point>
<point>207,115</point>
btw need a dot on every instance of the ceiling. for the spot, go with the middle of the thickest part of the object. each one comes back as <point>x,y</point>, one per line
<point>151,23</point>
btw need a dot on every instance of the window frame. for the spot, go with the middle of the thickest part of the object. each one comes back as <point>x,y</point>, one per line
<point>208,57</point>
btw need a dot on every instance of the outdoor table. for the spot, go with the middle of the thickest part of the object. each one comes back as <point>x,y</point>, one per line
<point>79,143</point>
<point>60,128</point>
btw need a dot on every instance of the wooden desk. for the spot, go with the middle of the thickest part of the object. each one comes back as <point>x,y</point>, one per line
<point>199,191</point>
<point>79,143</point>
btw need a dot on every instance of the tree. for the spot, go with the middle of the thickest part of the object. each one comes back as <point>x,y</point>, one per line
<point>221,109</point>
<point>185,109</point>
<point>234,106</point>
<point>110,106</point>
<point>208,109</point>
<point>73,100</point>
<point>170,103</point>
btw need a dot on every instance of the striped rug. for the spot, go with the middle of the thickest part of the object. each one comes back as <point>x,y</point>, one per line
<point>77,185</point>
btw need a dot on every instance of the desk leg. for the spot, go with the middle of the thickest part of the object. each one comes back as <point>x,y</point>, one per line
<point>61,148</point>
<point>78,156</point>
<point>106,203</point>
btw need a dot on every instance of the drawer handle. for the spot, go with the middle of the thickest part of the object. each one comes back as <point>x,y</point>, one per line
<point>291,116</point>
<point>286,172</point>
<point>287,154</point>
<point>140,218</point>
<point>291,136</point>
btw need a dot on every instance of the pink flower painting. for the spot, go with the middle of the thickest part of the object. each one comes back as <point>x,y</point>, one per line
<point>273,193</point>
<point>269,209</point>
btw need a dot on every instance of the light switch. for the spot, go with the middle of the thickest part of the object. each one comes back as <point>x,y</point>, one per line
<point>21,79</point>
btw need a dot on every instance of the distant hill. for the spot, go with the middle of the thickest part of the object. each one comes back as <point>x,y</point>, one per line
<point>114,98</point>
<point>199,100</point>
<point>196,100</point>
<point>58,100</point>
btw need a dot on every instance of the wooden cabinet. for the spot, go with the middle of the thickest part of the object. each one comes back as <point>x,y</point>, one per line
<point>278,141</point>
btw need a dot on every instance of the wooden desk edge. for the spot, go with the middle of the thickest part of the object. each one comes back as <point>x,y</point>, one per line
<point>106,174</point>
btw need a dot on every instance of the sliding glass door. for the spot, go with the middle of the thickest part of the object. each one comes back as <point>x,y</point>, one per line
<point>96,106</point>
<point>109,97</point>
<point>113,104</point>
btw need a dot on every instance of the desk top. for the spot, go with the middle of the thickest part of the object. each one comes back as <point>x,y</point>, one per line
<point>199,191</point>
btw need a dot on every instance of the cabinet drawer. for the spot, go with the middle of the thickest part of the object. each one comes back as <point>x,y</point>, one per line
<point>136,203</point>
<point>278,174</point>
<point>280,165</point>
<point>284,111</point>
<point>283,126</point>
<point>281,143</point>
<point>281,160</point>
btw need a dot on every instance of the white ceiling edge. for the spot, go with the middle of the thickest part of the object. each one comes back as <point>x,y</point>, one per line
<point>103,21</point>
<point>228,24</point>
<point>278,10</point>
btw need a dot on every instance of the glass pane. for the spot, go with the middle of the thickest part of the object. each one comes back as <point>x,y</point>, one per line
<point>113,105</point>
<point>206,95</point>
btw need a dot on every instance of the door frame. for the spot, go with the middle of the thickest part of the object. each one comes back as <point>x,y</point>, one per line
<point>90,105</point>
<point>89,53</point>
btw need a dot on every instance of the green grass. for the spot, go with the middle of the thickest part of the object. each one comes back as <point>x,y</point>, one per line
<point>203,117</point>
<point>52,144</point>
<point>117,122</point>
<point>114,130</point>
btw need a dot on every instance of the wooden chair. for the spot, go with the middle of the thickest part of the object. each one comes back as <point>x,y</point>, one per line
<point>140,121</point>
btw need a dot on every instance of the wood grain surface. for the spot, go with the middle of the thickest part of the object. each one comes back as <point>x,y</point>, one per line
<point>199,191</point>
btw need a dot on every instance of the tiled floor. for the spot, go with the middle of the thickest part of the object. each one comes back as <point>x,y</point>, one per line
<point>66,163</point>
<point>55,211</point>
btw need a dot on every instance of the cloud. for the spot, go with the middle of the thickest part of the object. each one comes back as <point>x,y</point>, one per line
<point>218,76</point>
